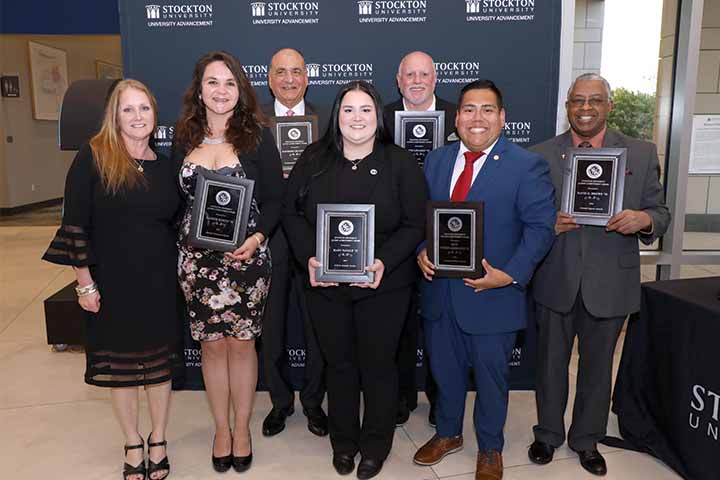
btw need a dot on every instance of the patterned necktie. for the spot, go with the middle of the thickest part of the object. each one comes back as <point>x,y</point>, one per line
<point>464,181</point>
<point>585,144</point>
<point>290,113</point>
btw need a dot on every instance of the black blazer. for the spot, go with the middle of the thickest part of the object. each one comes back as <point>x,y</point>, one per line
<point>399,193</point>
<point>262,165</point>
<point>440,104</point>
<point>268,109</point>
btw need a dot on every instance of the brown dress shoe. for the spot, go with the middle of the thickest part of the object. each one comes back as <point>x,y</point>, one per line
<point>436,448</point>
<point>489,466</point>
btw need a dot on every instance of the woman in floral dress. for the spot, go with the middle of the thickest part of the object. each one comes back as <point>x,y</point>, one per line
<point>219,130</point>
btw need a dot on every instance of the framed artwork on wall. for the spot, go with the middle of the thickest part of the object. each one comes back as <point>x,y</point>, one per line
<point>48,80</point>
<point>108,71</point>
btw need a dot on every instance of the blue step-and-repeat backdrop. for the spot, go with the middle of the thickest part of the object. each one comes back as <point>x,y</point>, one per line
<point>516,43</point>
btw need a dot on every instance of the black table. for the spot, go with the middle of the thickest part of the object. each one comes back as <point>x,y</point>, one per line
<point>667,393</point>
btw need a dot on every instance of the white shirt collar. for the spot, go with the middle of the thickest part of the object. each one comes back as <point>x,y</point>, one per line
<point>486,152</point>
<point>281,110</point>
<point>431,109</point>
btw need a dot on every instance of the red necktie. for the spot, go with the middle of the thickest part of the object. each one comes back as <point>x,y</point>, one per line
<point>290,113</point>
<point>464,181</point>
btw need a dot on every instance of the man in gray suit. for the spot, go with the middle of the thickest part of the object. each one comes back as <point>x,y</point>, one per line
<point>590,280</point>
<point>288,82</point>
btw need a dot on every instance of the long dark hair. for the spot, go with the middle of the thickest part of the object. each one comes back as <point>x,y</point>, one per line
<point>329,149</point>
<point>244,126</point>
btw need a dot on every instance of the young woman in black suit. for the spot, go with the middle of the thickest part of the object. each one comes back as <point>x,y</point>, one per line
<point>358,325</point>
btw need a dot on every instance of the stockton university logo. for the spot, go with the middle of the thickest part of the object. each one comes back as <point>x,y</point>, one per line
<point>257,9</point>
<point>365,7</point>
<point>500,10</point>
<point>152,11</point>
<point>313,70</point>
<point>164,135</point>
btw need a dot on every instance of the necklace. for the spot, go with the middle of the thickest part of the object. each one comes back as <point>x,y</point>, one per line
<point>140,164</point>
<point>214,141</point>
<point>355,163</point>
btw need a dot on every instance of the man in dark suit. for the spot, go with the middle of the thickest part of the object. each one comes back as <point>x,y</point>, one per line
<point>473,322</point>
<point>416,80</point>
<point>288,82</point>
<point>590,280</point>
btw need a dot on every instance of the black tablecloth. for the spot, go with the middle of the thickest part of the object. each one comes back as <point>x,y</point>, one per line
<point>667,393</point>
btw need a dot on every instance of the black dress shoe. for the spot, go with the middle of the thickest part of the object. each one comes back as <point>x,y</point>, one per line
<point>344,463</point>
<point>368,468</point>
<point>431,416</point>
<point>317,421</point>
<point>274,423</point>
<point>240,464</point>
<point>541,453</point>
<point>222,464</point>
<point>592,461</point>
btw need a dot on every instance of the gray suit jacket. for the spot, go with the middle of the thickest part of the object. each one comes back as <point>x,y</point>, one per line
<point>604,265</point>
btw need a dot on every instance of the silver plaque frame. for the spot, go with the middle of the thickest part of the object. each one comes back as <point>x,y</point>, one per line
<point>435,117</point>
<point>206,179</point>
<point>617,157</point>
<point>289,149</point>
<point>325,213</point>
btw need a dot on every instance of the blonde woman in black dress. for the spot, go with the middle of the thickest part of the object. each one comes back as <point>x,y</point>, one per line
<point>219,130</point>
<point>118,234</point>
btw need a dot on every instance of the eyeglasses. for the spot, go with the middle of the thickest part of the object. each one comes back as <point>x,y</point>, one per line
<point>594,102</point>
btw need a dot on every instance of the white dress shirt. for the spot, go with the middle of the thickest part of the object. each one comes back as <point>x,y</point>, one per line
<point>460,164</point>
<point>281,110</point>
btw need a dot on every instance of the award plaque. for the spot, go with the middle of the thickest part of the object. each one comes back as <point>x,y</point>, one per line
<point>455,238</point>
<point>219,217</point>
<point>420,132</point>
<point>292,135</point>
<point>593,184</point>
<point>345,242</point>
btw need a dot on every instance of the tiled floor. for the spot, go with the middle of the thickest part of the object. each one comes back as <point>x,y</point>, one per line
<point>56,427</point>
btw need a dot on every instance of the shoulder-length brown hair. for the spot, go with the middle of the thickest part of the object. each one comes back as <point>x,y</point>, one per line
<point>118,170</point>
<point>244,126</point>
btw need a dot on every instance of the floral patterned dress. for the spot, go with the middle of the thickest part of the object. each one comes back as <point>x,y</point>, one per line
<point>224,297</point>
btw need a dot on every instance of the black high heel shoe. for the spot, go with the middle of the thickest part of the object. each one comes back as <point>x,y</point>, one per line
<point>222,464</point>
<point>242,464</point>
<point>129,470</point>
<point>163,464</point>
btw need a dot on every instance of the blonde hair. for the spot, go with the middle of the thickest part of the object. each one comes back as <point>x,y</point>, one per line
<point>118,170</point>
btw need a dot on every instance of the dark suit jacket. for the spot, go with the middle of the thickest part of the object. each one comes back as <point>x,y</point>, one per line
<point>518,230</point>
<point>262,165</point>
<point>449,108</point>
<point>399,193</point>
<point>604,265</point>
<point>310,109</point>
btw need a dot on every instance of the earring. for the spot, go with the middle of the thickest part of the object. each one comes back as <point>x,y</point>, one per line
<point>200,96</point>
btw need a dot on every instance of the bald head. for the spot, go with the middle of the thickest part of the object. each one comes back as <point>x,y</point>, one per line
<point>416,80</point>
<point>287,77</point>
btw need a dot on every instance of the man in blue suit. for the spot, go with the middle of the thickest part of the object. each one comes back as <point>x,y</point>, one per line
<point>473,322</point>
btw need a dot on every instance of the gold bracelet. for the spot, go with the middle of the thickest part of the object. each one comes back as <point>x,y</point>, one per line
<point>85,293</point>
<point>255,236</point>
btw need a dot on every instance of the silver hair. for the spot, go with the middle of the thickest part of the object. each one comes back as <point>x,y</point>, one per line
<point>432,62</point>
<point>591,76</point>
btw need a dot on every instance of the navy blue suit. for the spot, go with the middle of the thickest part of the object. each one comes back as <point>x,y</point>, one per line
<point>466,328</point>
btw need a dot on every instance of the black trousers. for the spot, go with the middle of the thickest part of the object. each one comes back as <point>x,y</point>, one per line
<point>597,338</point>
<point>407,356</point>
<point>286,288</point>
<point>359,340</point>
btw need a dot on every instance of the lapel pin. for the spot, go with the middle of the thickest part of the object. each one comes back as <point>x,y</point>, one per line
<point>563,156</point>
<point>496,157</point>
<point>373,172</point>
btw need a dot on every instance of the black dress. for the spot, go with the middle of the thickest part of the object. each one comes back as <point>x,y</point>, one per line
<point>128,242</point>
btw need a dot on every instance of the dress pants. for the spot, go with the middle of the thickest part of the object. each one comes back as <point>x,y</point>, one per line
<point>452,353</point>
<point>407,356</point>
<point>597,338</point>
<point>286,280</point>
<point>359,340</point>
